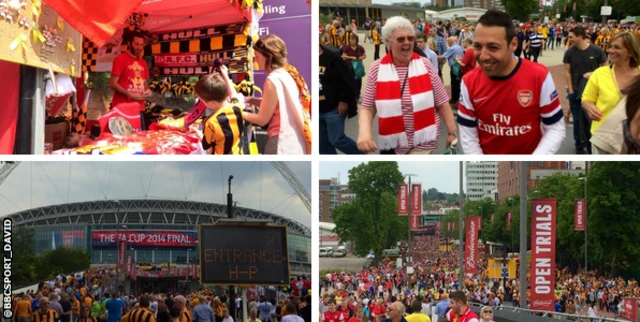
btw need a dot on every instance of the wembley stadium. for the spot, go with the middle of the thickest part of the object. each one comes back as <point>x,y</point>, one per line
<point>162,235</point>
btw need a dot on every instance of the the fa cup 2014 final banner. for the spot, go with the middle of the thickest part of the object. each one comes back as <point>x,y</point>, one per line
<point>543,254</point>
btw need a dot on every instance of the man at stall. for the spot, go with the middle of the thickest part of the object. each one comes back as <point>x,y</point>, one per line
<point>129,75</point>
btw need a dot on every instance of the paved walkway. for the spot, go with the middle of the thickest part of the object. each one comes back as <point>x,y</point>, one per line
<point>551,58</point>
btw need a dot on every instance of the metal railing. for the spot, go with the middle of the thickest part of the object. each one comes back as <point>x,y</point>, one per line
<point>551,314</point>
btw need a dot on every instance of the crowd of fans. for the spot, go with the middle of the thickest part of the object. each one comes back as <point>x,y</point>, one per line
<point>90,297</point>
<point>602,92</point>
<point>436,277</point>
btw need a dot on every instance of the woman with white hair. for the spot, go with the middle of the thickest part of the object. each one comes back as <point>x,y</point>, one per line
<point>486,314</point>
<point>404,90</point>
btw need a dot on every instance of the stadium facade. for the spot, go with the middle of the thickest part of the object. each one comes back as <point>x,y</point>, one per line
<point>159,232</point>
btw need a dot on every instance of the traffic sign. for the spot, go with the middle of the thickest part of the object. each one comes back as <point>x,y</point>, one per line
<point>605,10</point>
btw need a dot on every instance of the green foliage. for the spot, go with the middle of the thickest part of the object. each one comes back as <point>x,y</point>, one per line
<point>325,19</point>
<point>612,215</point>
<point>27,267</point>
<point>434,195</point>
<point>23,269</point>
<point>438,8</point>
<point>371,220</point>
<point>100,81</point>
<point>520,9</point>
<point>414,5</point>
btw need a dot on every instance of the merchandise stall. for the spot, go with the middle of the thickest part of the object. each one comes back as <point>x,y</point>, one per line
<point>186,39</point>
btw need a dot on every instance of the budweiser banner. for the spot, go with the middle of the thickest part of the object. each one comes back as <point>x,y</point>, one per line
<point>403,207</point>
<point>416,199</point>
<point>129,265</point>
<point>509,216</point>
<point>630,309</point>
<point>122,253</point>
<point>543,254</point>
<point>579,214</point>
<point>471,245</point>
<point>414,222</point>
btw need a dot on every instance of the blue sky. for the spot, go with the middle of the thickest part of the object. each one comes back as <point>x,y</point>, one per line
<point>38,184</point>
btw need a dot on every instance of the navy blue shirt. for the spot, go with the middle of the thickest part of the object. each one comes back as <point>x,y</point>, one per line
<point>66,307</point>
<point>521,38</point>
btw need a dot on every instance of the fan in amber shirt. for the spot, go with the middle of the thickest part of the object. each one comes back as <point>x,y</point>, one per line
<point>23,309</point>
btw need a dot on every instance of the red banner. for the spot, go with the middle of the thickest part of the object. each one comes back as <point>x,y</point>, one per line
<point>565,9</point>
<point>449,226</point>
<point>509,216</point>
<point>413,223</point>
<point>574,6</point>
<point>122,251</point>
<point>579,214</point>
<point>416,199</point>
<point>129,271</point>
<point>453,225</point>
<point>194,271</point>
<point>403,208</point>
<point>471,245</point>
<point>543,254</point>
<point>630,309</point>
<point>141,239</point>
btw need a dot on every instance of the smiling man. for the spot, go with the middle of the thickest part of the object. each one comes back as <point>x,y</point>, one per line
<point>504,102</point>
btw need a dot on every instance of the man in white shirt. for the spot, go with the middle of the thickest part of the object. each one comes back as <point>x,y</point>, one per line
<point>421,42</point>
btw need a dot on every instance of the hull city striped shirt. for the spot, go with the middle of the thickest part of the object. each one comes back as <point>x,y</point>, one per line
<point>49,316</point>
<point>223,129</point>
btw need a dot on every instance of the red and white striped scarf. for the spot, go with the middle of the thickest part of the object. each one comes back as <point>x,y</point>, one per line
<point>391,130</point>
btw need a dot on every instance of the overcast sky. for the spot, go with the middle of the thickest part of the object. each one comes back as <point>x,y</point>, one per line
<point>443,176</point>
<point>392,1</point>
<point>91,181</point>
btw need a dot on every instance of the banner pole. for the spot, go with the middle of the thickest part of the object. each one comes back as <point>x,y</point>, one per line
<point>523,234</point>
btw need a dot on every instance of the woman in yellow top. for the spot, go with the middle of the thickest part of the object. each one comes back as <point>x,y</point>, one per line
<point>608,85</point>
<point>375,34</point>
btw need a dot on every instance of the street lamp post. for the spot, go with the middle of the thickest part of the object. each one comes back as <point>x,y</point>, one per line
<point>523,234</point>
<point>410,205</point>
<point>585,223</point>
<point>460,232</point>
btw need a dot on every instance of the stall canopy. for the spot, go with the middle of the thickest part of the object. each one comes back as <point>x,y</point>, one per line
<point>99,20</point>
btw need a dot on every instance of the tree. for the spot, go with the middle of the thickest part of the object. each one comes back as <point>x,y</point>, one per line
<point>62,260</point>
<point>23,270</point>
<point>612,215</point>
<point>520,9</point>
<point>413,5</point>
<point>371,220</point>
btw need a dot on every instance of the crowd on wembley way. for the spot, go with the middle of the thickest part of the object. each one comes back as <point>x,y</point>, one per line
<point>435,293</point>
<point>88,298</point>
<point>493,75</point>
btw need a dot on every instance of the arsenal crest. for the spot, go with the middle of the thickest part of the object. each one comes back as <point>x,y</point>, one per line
<point>525,98</point>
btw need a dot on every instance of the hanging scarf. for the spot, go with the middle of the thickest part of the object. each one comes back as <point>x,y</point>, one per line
<point>392,133</point>
<point>305,100</point>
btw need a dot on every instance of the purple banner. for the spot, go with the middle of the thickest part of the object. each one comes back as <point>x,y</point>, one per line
<point>291,21</point>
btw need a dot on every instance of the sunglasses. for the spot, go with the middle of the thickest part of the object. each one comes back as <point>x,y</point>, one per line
<point>490,312</point>
<point>402,39</point>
